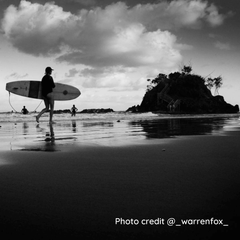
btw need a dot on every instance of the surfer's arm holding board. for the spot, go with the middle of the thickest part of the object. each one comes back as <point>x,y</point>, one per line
<point>47,94</point>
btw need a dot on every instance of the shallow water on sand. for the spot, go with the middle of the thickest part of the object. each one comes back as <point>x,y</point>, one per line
<point>22,132</point>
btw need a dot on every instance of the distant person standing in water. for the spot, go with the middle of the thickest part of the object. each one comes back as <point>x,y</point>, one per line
<point>47,93</point>
<point>74,110</point>
<point>24,110</point>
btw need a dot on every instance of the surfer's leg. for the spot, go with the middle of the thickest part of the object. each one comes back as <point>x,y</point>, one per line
<point>51,112</point>
<point>51,104</point>
<point>44,110</point>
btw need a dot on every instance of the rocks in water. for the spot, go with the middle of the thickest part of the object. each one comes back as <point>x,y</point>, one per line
<point>97,110</point>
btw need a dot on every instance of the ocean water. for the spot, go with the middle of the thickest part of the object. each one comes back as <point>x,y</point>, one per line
<point>110,129</point>
<point>114,116</point>
<point>18,117</point>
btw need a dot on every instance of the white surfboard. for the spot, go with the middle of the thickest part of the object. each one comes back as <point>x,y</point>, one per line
<point>32,89</point>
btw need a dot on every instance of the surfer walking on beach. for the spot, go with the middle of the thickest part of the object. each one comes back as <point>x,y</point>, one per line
<point>47,93</point>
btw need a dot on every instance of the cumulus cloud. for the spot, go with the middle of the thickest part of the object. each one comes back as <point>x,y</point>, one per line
<point>38,29</point>
<point>114,37</point>
<point>72,73</point>
<point>113,77</point>
<point>130,46</point>
<point>177,14</point>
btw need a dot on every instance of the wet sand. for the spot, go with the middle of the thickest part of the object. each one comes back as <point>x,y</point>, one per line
<point>73,187</point>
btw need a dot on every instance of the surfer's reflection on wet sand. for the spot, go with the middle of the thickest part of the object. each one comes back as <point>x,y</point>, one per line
<point>50,140</point>
<point>50,135</point>
<point>74,126</point>
<point>49,145</point>
<point>25,129</point>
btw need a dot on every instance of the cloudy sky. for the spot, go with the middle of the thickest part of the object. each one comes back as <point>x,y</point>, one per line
<point>108,49</point>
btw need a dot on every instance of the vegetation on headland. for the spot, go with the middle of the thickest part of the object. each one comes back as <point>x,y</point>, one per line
<point>184,92</point>
<point>92,110</point>
<point>97,110</point>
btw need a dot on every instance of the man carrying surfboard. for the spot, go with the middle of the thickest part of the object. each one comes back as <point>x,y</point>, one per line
<point>47,94</point>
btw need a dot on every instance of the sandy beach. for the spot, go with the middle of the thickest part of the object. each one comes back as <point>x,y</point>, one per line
<point>120,180</point>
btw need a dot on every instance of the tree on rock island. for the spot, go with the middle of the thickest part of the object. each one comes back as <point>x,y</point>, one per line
<point>184,92</point>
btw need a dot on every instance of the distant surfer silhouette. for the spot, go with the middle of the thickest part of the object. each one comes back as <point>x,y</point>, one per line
<point>24,110</point>
<point>73,110</point>
<point>47,93</point>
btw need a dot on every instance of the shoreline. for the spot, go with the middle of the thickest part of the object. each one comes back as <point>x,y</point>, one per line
<point>112,129</point>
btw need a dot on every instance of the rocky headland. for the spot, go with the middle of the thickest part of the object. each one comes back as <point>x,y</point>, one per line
<point>183,92</point>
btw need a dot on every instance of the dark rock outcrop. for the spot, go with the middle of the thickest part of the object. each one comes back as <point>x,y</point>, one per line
<point>62,111</point>
<point>97,110</point>
<point>182,93</point>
